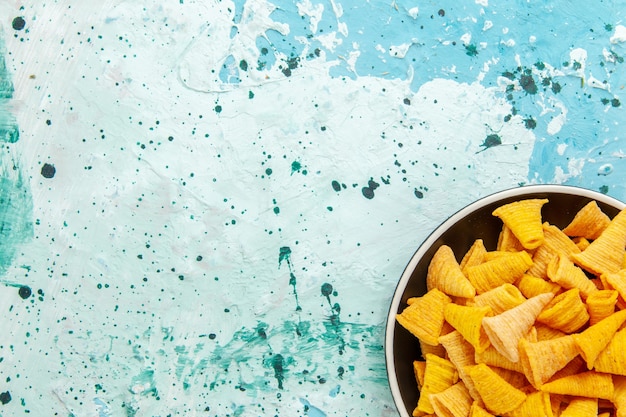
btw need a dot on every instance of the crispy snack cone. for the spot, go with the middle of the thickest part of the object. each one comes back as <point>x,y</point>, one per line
<point>437,350</point>
<point>590,384</point>
<point>499,396</point>
<point>581,242</point>
<point>580,407</point>
<point>474,256</point>
<point>593,340</point>
<point>494,358</point>
<point>541,360</point>
<point>439,375</point>
<point>419,369</point>
<point>523,217</point>
<point>444,273</point>
<point>563,271</point>
<point>506,329</point>
<point>468,321</point>
<point>619,398</point>
<point>606,253</point>
<point>453,402</point>
<point>601,304</point>
<point>530,286</point>
<point>424,317</point>
<point>516,379</point>
<point>589,222</point>
<point>616,281</point>
<point>505,269</point>
<point>461,354</point>
<point>613,358</point>
<point>555,242</point>
<point>536,404</point>
<point>545,332</point>
<point>500,299</point>
<point>477,411</point>
<point>507,241</point>
<point>566,312</point>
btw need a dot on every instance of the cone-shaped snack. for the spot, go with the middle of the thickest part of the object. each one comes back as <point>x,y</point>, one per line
<point>499,397</point>
<point>590,384</point>
<point>468,321</point>
<point>461,354</point>
<point>606,253</point>
<point>477,411</point>
<point>601,304</point>
<point>507,241</point>
<point>436,350</point>
<point>453,402</point>
<point>555,243</point>
<point>419,368</point>
<point>439,375</point>
<point>580,407</point>
<point>593,340</point>
<point>516,379</point>
<point>545,332</point>
<point>563,271</point>
<point>505,330</point>
<point>494,358</point>
<point>566,312</point>
<point>505,269</point>
<point>424,317</point>
<point>581,242</point>
<point>536,404</point>
<point>589,222</point>
<point>523,217</point>
<point>500,299</point>
<point>444,273</point>
<point>474,256</point>
<point>619,398</point>
<point>530,286</point>
<point>616,281</point>
<point>613,358</point>
<point>541,360</point>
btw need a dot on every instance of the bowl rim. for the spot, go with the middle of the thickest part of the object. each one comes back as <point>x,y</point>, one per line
<point>521,192</point>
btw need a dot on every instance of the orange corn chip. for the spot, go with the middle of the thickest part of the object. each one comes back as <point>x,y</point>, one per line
<point>444,273</point>
<point>616,281</point>
<point>453,402</point>
<point>424,317</point>
<point>612,359</point>
<point>541,360</point>
<point>563,271</point>
<point>439,375</point>
<point>555,243</point>
<point>536,404</point>
<point>504,269</point>
<point>499,397</point>
<point>468,321</point>
<point>581,243</point>
<point>601,304</point>
<point>524,219</point>
<point>530,286</point>
<point>436,350</point>
<point>474,255</point>
<point>596,338</point>
<point>606,253</point>
<point>461,354</point>
<point>419,368</point>
<point>500,299</point>
<point>506,329</point>
<point>590,384</point>
<point>516,379</point>
<point>566,312</point>
<point>507,241</point>
<point>477,411</point>
<point>493,358</point>
<point>578,407</point>
<point>589,222</point>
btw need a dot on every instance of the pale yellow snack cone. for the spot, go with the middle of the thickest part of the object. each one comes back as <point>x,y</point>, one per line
<point>593,340</point>
<point>541,360</point>
<point>505,330</point>
<point>444,273</point>
<point>590,384</point>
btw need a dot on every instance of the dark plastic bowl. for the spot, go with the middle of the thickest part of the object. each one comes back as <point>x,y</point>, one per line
<point>459,232</point>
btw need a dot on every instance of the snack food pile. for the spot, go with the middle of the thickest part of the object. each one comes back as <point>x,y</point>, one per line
<point>535,327</point>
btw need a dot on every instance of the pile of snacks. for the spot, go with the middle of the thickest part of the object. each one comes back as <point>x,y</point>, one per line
<point>533,328</point>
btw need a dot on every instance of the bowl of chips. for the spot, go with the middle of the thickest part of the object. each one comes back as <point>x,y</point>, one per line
<point>514,306</point>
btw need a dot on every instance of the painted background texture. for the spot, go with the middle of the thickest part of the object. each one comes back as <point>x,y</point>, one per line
<point>205,206</point>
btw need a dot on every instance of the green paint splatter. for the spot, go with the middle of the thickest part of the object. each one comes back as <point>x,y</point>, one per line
<point>470,50</point>
<point>295,167</point>
<point>16,205</point>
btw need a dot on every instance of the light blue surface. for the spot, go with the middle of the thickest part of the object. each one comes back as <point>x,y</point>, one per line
<point>211,202</point>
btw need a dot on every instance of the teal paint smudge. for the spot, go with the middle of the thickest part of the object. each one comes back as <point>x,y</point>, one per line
<point>16,205</point>
<point>284,254</point>
<point>295,167</point>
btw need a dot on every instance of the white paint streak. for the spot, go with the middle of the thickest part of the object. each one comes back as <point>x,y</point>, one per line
<point>619,35</point>
<point>414,12</point>
<point>314,12</point>
<point>399,51</point>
